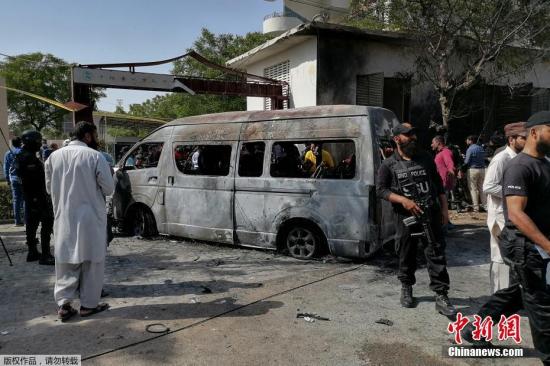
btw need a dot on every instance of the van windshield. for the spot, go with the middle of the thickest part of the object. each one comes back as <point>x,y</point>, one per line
<point>326,159</point>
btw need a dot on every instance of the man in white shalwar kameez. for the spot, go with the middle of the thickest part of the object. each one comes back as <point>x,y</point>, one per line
<point>516,137</point>
<point>78,178</point>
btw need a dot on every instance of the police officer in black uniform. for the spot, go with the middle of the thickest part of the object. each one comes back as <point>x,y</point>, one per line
<point>38,203</point>
<point>525,240</point>
<point>409,180</point>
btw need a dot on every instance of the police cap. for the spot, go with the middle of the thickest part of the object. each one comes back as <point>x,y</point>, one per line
<point>538,119</point>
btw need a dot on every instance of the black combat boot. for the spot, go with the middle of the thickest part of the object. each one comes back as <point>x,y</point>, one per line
<point>33,254</point>
<point>468,337</point>
<point>407,299</point>
<point>443,305</point>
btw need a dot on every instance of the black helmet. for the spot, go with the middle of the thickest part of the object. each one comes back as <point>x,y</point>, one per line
<point>32,140</point>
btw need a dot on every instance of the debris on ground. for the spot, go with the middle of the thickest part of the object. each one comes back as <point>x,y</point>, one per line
<point>196,259</point>
<point>215,263</point>
<point>206,290</point>
<point>387,322</point>
<point>312,316</point>
<point>5,332</point>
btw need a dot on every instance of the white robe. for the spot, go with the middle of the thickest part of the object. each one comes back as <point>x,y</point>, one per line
<point>78,178</point>
<point>492,187</point>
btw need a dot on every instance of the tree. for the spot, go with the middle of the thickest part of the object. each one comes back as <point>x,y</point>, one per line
<point>461,43</point>
<point>41,74</point>
<point>217,48</point>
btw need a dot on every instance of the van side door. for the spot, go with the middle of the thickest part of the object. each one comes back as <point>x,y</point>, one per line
<point>199,194</point>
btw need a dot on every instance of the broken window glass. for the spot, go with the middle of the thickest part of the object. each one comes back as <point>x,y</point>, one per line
<point>251,159</point>
<point>203,159</point>
<point>143,156</point>
<point>327,159</point>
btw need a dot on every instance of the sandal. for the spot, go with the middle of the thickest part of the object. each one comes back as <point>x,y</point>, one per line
<point>65,312</point>
<point>84,312</point>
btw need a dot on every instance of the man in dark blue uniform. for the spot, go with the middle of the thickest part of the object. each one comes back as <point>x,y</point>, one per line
<point>38,203</point>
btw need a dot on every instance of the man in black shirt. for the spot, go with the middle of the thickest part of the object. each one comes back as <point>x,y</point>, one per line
<point>409,180</point>
<point>524,241</point>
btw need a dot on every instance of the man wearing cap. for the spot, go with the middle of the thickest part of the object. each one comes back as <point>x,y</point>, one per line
<point>516,134</point>
<point>524,241</point>
<point>409,180</point>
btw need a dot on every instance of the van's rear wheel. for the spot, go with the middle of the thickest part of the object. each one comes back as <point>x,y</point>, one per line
<point>303,241</point>
<point>142,223</point>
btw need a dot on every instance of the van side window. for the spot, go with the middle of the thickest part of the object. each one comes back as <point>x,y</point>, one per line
<point>251,159</point>
<point>145,155</point>
<point>203,159</point>
<point>326,159</point>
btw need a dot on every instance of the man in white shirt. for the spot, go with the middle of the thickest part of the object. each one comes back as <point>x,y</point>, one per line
<point>516,134</point>
<point>78,178</point>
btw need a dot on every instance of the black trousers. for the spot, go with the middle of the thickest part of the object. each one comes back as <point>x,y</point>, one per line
<point>528,290</point>
<point>36,214</point>
<point>435,254</point>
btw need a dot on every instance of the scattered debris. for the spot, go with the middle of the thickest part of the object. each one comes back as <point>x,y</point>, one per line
<point>5,332</point>
<point>221,302</point>
<point>168,282</point>
<point>387,322</point>
<point>206,290</point>
<point>157,328</point>
<point>312,316</point>
<point>196,259</point>
<point>215,263</point>
<point>309,320</point>
<point>194,300</point>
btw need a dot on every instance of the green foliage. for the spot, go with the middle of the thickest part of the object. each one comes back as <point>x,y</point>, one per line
<point>460,43</point>
<point>41,74</point>
<point>6,205</point>
<point>128,132</point>
<point>216,48</point>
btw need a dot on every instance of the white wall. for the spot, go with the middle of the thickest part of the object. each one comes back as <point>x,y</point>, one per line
<point>303,74</point>
<point>3,122</point>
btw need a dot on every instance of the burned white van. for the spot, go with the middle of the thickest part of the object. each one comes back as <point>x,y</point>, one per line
<point>299,180</point>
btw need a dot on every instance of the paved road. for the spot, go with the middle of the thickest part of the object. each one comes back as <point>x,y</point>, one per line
<point>238,306</point>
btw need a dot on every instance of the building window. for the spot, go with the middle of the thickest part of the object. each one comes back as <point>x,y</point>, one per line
<point>213,160</point>
<point>251,159</point>
<point>145,155</point>
<point>314,159</point>
<point>370,90</point>
<point>281,72</point>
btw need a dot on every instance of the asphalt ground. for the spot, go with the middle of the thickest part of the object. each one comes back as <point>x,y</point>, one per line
<point>225,305</point>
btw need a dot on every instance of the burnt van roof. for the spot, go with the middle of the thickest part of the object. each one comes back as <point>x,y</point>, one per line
<point>282,114</point>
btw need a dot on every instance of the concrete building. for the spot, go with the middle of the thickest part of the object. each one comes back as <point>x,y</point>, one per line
<point>334,64</point>
<point>296,12</point>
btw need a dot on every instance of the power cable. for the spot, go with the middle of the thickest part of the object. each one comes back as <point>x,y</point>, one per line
<point>221,314</point>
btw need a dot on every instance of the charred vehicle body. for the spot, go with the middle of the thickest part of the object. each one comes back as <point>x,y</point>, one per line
<point>299,180</point>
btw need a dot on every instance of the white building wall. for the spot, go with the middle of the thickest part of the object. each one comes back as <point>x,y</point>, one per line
<point>303,74</point>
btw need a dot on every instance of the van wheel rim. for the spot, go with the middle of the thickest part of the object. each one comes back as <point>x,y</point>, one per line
<point>301,243</point>
<point>139,223</point>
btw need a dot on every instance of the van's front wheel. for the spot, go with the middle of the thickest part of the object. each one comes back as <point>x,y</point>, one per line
<point>303,241</point>
<point>142,223</point>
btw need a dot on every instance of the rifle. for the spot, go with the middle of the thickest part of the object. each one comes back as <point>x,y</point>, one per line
<point>423,220</point>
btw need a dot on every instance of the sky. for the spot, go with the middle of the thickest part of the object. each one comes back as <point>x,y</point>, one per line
<point>108,31</point>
